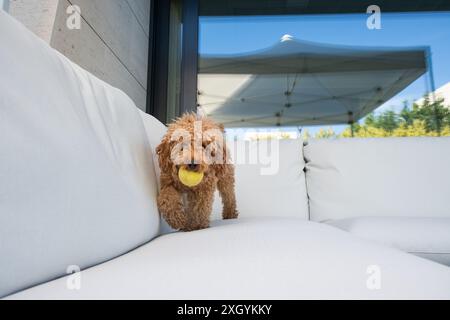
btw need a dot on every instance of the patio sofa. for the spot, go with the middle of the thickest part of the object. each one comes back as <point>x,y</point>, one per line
<point>339,219</point>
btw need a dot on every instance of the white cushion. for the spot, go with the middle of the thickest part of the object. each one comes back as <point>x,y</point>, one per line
<point>273,185</point>
<point>273,258</point>
<point>77,181</point>
<point>425,237</point>
<point>378,177</point>
<point>155,132</point>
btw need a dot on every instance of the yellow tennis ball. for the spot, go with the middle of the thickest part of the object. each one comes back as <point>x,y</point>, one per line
<point>189,178</point>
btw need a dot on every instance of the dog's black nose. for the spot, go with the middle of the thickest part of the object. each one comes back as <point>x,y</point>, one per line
<point>192,166</point>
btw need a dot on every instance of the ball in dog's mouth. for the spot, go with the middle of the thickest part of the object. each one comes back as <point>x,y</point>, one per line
<point>189,178</point>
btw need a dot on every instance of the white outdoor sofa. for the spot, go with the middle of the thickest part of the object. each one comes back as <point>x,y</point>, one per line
<point>358,219</point>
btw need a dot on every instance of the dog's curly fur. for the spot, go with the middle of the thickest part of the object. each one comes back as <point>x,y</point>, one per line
<point>195,214</point>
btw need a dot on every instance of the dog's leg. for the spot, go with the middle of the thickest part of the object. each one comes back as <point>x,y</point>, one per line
<point>199,209</point>
<point>170,205</point>
<point>225,185</point>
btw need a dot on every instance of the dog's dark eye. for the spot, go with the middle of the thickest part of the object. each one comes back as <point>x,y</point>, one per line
<point>184,147</point>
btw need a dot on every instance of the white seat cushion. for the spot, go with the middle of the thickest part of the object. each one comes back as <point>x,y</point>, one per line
<point>77,180</point>
<point>269,187</point>
<point>155,132</point>
<point>425,237</point>
<point>273,258</point>
<point>407,177</point>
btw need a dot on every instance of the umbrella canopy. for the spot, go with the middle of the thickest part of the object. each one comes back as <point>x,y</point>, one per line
<point>303,83</point>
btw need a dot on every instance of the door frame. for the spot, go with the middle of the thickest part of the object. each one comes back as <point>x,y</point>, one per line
<point>158,58</point>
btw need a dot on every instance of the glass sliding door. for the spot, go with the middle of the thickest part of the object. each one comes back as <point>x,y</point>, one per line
<point>175,55</point>
<point>324,75</point>
<point>173,59</point>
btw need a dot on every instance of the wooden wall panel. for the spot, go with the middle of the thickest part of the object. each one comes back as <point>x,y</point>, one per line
<point>117,26</point>
<point>141,9</point>
<point>36,15</point>
<point>112,42</point>
<point>85,48</point>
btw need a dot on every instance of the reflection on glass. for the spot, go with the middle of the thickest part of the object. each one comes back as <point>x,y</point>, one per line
<point>173,79</point>
<point>330,76</point>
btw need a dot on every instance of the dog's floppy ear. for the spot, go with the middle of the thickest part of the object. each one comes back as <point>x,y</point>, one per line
<point>163,152</point>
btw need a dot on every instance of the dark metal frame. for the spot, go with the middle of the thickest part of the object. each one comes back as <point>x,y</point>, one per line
<point>189,60</point>
<point>158,58</point>
<point>280,7</point>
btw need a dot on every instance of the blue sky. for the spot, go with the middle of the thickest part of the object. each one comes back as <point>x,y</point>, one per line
<point>220,35</point>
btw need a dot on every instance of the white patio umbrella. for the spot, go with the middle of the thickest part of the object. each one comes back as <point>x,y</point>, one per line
<point>297,83</point>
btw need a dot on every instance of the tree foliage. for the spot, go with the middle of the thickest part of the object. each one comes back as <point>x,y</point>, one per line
<point>428,119</point>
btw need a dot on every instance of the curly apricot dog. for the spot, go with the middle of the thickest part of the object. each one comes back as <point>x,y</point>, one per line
<point>194,145</point>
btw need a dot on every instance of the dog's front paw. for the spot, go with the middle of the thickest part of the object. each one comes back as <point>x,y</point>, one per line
<point>195,227</point>
<point>176,219</point>
<point>230,214</point>
<point>196,223</point>
<point>171,208</point>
